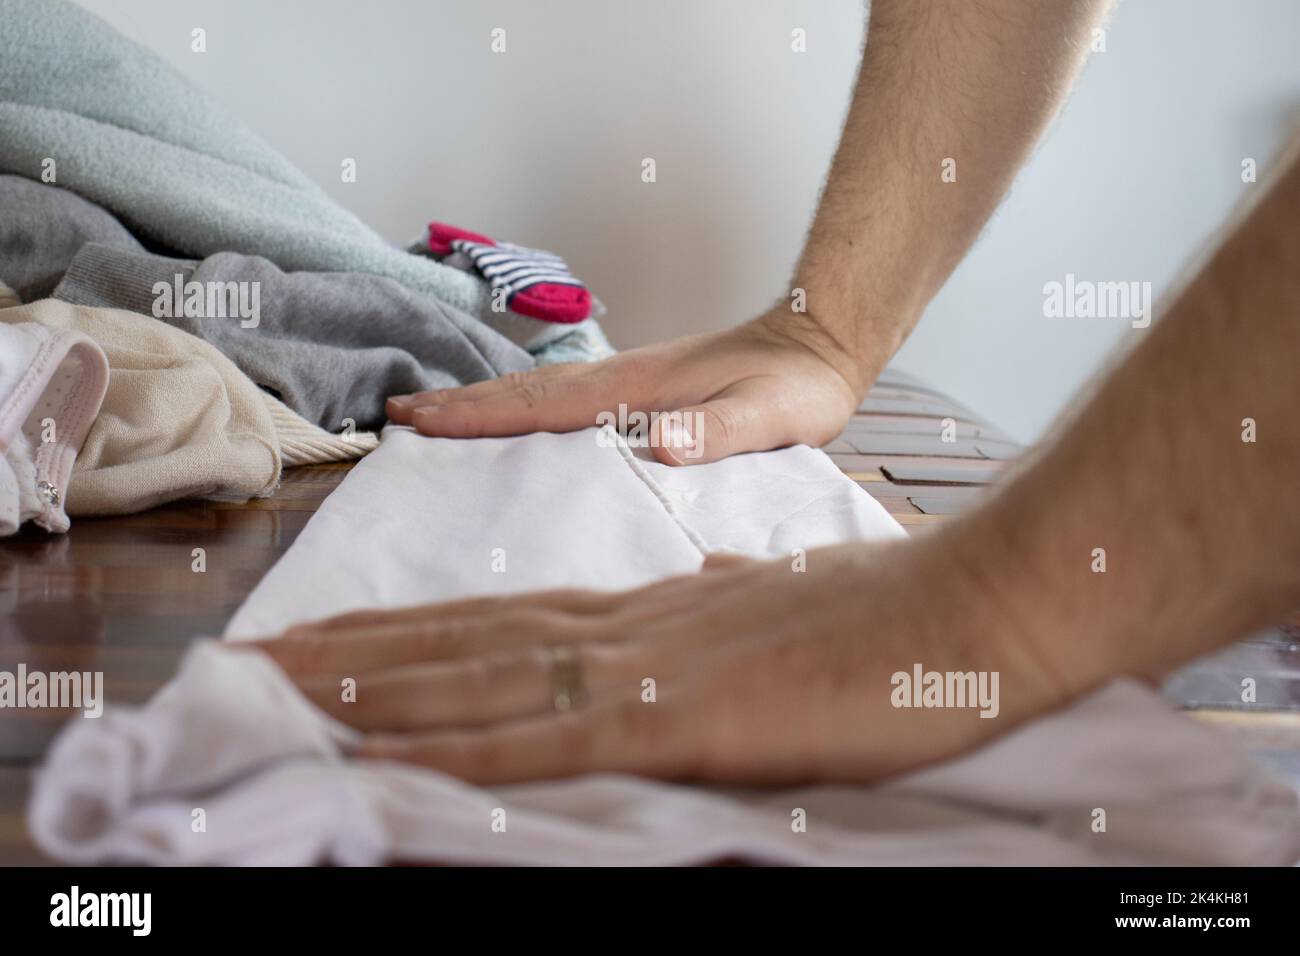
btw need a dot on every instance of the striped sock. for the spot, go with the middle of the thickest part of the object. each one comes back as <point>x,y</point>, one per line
<point>537,283</point>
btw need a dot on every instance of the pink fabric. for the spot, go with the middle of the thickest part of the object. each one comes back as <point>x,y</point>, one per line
<point>59,376</point>
<point>441,236</point>
<point>546,301</point>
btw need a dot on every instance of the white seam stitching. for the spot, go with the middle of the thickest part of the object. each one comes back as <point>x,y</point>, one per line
<point>647,479</point>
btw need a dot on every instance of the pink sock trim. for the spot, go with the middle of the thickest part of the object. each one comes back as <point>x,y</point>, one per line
<point>546,301</point>
<point>441,236</point>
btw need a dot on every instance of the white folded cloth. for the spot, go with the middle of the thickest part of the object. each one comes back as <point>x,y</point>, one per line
<point>420,520</point>
<point>429,519</point>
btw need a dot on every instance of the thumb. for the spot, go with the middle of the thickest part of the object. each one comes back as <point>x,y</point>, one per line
<point>730,424</point>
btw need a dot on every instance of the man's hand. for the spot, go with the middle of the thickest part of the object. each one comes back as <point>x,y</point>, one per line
<point>772,382</point>
<point>744,690</point>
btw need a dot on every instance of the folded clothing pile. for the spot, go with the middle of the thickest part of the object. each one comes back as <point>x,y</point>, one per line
<point>132,135</point>
<point>177,418</point>
<point>332,345</point>
<point>123,188</point>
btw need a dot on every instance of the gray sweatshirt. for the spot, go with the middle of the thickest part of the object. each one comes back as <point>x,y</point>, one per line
<point>331,345</point>
<point>41,229</point>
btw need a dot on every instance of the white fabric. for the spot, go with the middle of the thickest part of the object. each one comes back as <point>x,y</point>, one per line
<point>52,383</point>
<point>418,520</point>
<point>423,519</point>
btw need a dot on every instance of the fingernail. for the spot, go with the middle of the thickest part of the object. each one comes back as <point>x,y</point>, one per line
<point>398,412</point>
<point>400,399</point>
<point>676,436</point>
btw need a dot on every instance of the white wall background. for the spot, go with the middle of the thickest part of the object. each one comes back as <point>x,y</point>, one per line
<point>543,144</point>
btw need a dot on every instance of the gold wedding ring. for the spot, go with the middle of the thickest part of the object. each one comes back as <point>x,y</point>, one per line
<point>567,682</point>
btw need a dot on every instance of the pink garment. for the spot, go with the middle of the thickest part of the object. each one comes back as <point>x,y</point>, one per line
<point>52,383</point>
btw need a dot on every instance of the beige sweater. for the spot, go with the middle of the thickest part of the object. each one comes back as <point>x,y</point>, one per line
<point>179,419</point>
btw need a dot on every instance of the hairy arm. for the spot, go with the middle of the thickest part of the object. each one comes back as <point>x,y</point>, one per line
<point>974,81</point>
<point>951,97</point>
<point>1200,527</point>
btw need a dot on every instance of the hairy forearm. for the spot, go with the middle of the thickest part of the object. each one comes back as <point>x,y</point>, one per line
<point>1200,529</point>
<point>971,82</point>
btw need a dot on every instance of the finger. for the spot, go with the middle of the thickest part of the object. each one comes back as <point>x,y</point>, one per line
<point>533,403</point>
<point>400,407</point>
<point>651,739</point>
<point>740,419</point>
<point>467,693</point>
<point>369,640</point>
<point>556,398</point>
<point>371,648</point>
<point>574,600</point>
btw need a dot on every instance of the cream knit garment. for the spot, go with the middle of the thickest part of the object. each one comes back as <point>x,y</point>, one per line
<point>179,419</point>
<point>302,443</point>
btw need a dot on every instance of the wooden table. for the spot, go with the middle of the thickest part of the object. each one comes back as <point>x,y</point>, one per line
<point>121,596</point>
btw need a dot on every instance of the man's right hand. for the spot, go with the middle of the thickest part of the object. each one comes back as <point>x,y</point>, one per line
<point>759,386</point>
